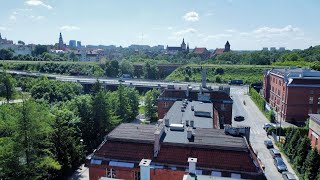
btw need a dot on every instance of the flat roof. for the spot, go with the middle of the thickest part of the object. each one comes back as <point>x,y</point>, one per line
<point>176,116</point>
<point>315,118</point>
<point>205,137</point>
<point>202,137</point>
<point>133,132</point>
<point>294,72</point>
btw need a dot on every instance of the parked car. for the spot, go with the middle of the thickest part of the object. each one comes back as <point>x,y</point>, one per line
<point>235,82</point>
<point>288,176</point>
<point>238,118</point>
<point>121,80</point>
<point>268,144</point>
<point>275,153</point>
<point>268,125</point>
<point>280,165</point>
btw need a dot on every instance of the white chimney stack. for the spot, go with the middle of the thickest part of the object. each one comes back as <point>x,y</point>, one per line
<point>145,169</point>
<point>192,165</point>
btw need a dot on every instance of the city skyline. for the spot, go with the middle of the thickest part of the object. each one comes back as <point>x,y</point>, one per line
<point>246,24</point>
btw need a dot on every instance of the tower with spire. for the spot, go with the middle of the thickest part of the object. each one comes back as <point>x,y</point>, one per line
<point>227,47</point>
<point>183,45</point>
<point>188,50</point>
<point>60,45</point>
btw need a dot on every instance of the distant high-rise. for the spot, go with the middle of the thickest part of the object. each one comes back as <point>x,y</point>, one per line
<point>273,49</point>
<point>72,44</point>
<point>79,44</point>
<point>60,44</point>
<point>282,48</point>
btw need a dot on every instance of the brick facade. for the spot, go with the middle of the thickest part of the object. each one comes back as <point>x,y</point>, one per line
<point>314,130</point>
<point>292,98</point>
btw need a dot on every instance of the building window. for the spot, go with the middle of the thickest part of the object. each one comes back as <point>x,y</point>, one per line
<point>111,173</point>
<point>311,92</point>
<point>222,107</point>
<point>136,175</point>
<point>165,104</point>
<point>272,89</point>
<point>311,100</point>
<point>318,110</point>
<point>319,100</point>
<point>280,82</point>
<point>310,110</point>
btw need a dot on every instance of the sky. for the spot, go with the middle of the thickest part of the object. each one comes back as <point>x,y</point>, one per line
<point>246,24</point>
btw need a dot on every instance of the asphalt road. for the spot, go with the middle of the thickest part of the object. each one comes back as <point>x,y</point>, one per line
<point>255,119</point>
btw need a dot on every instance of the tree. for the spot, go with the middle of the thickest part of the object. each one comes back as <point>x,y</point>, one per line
<point>66,137</point>
<point>126,67</point>
<point>112,68</point>
<point>150,71</point>
<point>293,144</point>
<point>6,54</point>
<point>39,50</point>
<point>133,97</point>
<point>73,57</point>
<point>123,108</point>
<point>301,153</point>
<point>312,164</point>
<point>7,86</point>
<point>151,102</point>
<point>32,141</point>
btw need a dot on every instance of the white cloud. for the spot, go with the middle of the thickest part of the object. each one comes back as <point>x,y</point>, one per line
<point>69,28</point>
<point>191,16</point>
<point>38,3</point>
<point>271,30</point>
<point>231,30</point>
<point>3,28</point>
<point>218,36</point>
<point>170,28</point>
<point>13,17</point>
<point>36,18</point>
<point>185,31</point>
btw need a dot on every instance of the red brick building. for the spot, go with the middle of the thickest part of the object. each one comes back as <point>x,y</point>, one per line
<point>314,130</point>
<point>292,92</point>
<point>219,98</point>
<point>135,151</point>
<point>202,52</point>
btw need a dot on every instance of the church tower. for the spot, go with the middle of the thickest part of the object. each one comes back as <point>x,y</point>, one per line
<point>183,45</point>
<point>227,47</point>
<point>188,50</point>
<point>60,45</point>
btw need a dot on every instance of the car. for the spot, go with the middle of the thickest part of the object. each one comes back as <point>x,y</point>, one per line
<point>235,82</point>
<point>238,118</point>
<point>288,176</point>
<point>275,153</point>
<point>120,80</point>
<point>266,126</point>
<point>268,144</point>
<point>280,165</point>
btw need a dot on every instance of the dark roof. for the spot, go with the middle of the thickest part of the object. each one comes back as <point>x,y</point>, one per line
<point>176,116</point>
<point>294,72</point>
<point>174,48</point>
<point>315,118</point>
<point>133,132</point>
<point>206,138</point>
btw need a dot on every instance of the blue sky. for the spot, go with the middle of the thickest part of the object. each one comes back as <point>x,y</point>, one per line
<point>247,24</point>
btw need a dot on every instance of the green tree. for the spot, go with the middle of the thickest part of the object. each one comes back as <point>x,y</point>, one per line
<point>151,104</point>
<point>68,148</point>
<point>6,54</point>
<point>311,165</point>
<point>301,153</point>
<point>123,108</point>
<point>126,67</point>
<point>7,86</point>
<point>39,50</point>
<point>32,141</point>
<point>293,144</point>
<point>150,71</point>
<point>73,57</point>
<point>133,97</point>
<point>112,68</point>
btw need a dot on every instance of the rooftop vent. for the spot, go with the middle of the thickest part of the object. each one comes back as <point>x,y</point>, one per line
<point>202,114</point>
<point>176,127</point>
<point>166,122</point>
<point>192,108</point>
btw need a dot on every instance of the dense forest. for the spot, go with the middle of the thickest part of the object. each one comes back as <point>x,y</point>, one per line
<point>49,134</point>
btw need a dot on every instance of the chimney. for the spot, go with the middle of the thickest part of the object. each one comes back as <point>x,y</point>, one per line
<point>145,169</point>
<point>160,121</point>
<point>192,165</point>
<point>157,136</point>
<point>189,132</point>
<point>167,122</point>
<point>204,77</point>
<point>192,123</point>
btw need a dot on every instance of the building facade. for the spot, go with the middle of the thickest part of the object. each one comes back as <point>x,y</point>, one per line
<point>72,43</point>
<point>314,130</point>
<point>136,151</point>
<point>293,93</point>
<point>183,48</point>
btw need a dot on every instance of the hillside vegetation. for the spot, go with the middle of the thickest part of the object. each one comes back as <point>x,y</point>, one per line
<point>219,73</point>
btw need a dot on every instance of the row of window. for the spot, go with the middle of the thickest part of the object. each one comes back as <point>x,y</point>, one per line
<point>274,80</point>
<point>311,100</point>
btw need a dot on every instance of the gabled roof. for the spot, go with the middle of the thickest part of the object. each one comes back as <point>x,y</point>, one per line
<point>200,50</point>
<point>219,51</point>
